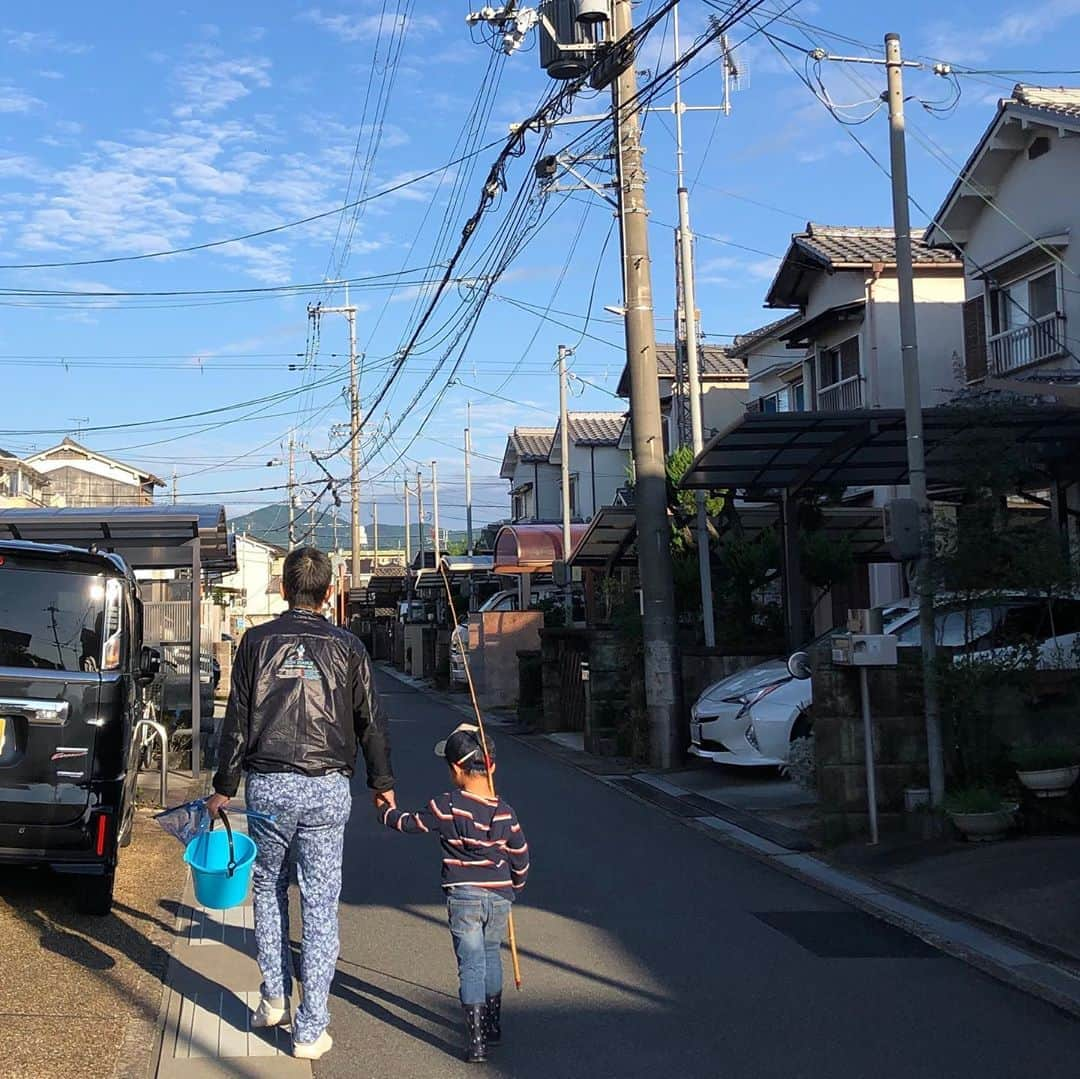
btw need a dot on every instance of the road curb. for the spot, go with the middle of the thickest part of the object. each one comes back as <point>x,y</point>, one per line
<point>986,951</point>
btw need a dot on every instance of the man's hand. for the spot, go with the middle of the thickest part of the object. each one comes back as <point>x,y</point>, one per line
<point>215,803</point>
<point>384,800</point>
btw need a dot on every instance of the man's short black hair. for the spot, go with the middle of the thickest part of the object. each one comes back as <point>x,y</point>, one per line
<point>306,577</point>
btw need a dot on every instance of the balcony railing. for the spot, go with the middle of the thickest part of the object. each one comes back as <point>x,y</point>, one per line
<point>841,396</point>
<point>1042,339</point>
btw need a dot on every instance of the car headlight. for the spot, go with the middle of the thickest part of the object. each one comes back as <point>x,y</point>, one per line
<point>748,700</point>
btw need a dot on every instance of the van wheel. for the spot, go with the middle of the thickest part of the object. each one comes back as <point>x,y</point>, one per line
<point>95,896</point>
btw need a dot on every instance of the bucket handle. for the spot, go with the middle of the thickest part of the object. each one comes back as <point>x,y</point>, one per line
<point>231,868</point>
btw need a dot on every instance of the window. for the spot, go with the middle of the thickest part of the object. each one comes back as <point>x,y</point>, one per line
<point>789,399</point>
<point>1022,302</point>
<point>574,496</point>
<point>840,363</point>
<point>51,619</point>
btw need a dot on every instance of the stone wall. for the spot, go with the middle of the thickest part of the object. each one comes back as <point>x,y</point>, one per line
<point>701,668</point>
<point>896,704</point>
<point>564,696</point>
<point>495,638</point>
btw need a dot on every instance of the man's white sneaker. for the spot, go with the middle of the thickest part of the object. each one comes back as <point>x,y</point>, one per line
<point>272,1012</point>
<point>313,1050</point>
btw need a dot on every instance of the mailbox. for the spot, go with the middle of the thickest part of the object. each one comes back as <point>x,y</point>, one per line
<point>864,650</point>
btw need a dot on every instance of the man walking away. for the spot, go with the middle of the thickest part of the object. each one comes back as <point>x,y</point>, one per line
<point>301,703</point>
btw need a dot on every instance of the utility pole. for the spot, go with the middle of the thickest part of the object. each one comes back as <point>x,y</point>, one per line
<point>435,510</point>
<point>909,350</point>
<point>408,523</point>
<point>174,485</point>
<point>468,479</point>
<point>662,675</point>
<point>375,528</point>
<point>349,311</point>
<point>420,514</point>
<point>292,491</point>
<point>689,321</point>
<point>564,466</point>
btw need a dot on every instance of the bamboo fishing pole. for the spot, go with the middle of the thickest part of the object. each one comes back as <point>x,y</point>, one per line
<point>512,935</point>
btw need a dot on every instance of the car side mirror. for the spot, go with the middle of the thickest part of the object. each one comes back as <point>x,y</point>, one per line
<point>798,666</point>
<point>149,664</point>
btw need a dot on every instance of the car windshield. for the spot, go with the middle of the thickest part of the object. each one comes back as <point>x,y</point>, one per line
<point>50,618</point>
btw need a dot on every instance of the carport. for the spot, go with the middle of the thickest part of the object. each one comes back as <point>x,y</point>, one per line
<point>772,457</point>
<point>147,537</point>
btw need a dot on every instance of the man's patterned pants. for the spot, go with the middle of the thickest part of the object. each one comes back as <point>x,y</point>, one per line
<point>310,813</point>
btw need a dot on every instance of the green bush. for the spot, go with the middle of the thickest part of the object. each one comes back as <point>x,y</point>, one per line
<point>973,800</point>
<point>1041,758</point>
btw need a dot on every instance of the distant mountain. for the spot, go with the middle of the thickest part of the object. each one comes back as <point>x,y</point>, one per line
<point>271,524</point>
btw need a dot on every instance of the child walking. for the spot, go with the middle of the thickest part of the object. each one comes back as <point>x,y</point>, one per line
<point>485,864</point>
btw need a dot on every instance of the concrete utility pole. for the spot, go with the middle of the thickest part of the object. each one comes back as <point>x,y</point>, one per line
<point>408,523</point>
<point>689,321</point>
<point>174,486</point>
<point>662,676</point>
<point>349,311</point>
<point>420,515</point>
<point>564,466</point>
<point>909,348</point>
<point>435,510</point>
<point>468,479</point>
<point>375,530</point>
<point>292,491</point>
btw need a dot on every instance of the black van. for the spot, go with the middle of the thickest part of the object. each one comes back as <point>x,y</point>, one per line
<point>72,671</point>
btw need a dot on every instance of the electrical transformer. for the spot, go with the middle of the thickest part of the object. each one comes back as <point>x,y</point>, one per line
<point>593,11</point>
<point>560,30</point>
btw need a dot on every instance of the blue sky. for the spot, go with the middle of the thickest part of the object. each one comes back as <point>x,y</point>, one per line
<point>127,129</point>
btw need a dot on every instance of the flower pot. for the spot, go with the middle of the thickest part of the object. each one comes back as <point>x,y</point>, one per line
<point>984,827</point>
<point>1050,782</point>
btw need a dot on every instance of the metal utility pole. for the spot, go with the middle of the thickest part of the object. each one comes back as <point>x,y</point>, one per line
<point>420,515</point>
<point>408,523</point>
<point>662,676</point>
<point>349,311</point>
<point>693,364</point>
<point>468,479</point>
<point>435,510</point>
<point>909,350</point>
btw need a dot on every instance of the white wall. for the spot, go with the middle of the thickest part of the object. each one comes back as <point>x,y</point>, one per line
<point>602,469</point>
<point>545,494</point>
<point>255,568</point>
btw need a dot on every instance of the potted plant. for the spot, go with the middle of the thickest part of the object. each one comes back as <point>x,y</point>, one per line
<point>1047,771</point>
<point>980,813</point>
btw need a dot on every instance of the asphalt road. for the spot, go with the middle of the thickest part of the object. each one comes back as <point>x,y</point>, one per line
<point>649,949</point>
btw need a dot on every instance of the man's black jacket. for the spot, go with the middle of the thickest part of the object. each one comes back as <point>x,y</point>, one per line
<point>302,700</point>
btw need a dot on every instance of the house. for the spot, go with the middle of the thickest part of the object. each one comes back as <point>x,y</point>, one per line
<point>1014,214</point>
<point>83,478</point>
<point>254,590</point>
<point>534,481</point>
<point>842,281</point>
<point>724,389</point>
<point>598,463</point>
<point>21,485</point>
<point>774,371</point>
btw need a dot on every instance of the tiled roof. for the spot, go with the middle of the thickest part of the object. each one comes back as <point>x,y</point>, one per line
<point>1061,101</point>
<point>596,428</point>
<point>716,364</point>
<point>744,342</point>
<point>850,245</point>
<point>532,442</point>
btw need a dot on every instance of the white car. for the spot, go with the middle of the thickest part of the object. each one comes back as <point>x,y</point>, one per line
<point>751,718</point>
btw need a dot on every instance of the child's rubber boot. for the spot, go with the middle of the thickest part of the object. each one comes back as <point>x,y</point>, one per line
<point>475,1033</point>
<point>493,1019</point>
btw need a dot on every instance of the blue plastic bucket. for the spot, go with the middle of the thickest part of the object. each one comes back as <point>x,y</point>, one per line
<point>221,865</point>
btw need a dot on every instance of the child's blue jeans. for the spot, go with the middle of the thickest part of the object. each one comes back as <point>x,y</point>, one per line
<point>478,926</point>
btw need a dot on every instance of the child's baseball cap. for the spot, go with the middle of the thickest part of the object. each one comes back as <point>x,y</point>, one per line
<point>465,748</point>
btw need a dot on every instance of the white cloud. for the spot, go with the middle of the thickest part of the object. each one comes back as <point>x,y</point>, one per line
<point>13,99</point>
<point>1017,26</point>
<point>351,28</point>
<point>212,82</point>
<point>49,74</point>
<point>43,41</point>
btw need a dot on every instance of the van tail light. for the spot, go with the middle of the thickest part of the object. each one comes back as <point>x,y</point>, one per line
<point>101,834</point>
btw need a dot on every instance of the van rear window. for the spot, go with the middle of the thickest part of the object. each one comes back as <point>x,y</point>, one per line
<point>50,619</point>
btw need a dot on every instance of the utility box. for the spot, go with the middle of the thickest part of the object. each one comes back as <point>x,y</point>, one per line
<point>902,529</point>
<point>864,650</point>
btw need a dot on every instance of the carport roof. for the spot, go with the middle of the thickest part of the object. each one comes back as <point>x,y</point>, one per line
<point>769,452</point>
<point>609,541</point>
<point>148,537</point>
